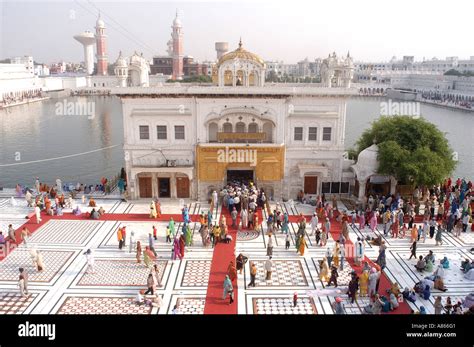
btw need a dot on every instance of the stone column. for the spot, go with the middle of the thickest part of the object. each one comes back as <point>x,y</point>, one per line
<point>362,185</point>
<point>154,185</point>
<point>173,192</point>
<point>393,185</point>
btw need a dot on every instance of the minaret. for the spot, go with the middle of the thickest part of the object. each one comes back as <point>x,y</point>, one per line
<point>102,60</point>
<point>177,37</point>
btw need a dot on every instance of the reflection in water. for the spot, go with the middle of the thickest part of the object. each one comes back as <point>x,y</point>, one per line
<point>36,132</point>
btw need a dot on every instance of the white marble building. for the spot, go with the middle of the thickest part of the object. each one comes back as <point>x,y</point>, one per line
<point>174,136</point>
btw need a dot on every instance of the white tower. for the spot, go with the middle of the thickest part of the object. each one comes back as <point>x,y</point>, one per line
<point>102,59</point>
<point>121,70</point>
<point>178,55</point>
<point>221,49</point>
<point>87,39</point>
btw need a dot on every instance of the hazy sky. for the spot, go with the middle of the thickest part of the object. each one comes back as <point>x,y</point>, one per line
<point>372,30</point>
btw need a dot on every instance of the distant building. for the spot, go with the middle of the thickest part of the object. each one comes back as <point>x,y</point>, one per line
<point>41,70</point>
<point>57,68</point>
<point>337,71</point>
<point>187,141</point>
<point>164,65</point>
<point>17,82</point>
<point>27,61</point>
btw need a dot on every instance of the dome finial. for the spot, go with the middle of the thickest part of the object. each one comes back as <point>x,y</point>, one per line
<point>240,42</point>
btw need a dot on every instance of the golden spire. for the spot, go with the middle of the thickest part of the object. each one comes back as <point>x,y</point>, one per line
<point>240,42</point>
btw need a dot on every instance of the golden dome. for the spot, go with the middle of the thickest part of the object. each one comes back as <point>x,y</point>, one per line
<point>241,53</point>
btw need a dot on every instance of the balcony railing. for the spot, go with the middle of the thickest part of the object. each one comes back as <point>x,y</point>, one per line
<point>241,137</point>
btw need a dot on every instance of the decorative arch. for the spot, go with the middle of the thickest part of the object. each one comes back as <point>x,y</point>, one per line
<point>213,130</point>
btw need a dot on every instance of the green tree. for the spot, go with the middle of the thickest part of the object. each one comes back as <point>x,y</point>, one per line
<point>413,150</point>
<point>452,72</point>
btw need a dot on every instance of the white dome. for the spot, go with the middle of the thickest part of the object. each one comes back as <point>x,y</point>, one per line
<point>368,157</point>
<point>100,23</point>
<point>367,163</point>
<point>121,61</point>
<point>177,22</point>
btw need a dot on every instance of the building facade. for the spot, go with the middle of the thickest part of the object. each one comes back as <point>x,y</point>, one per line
<point>186,141</point>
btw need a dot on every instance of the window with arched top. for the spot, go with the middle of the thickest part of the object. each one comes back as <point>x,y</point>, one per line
<point>227,127</point>
<point>213,129</point>
<point>240,127</point>
<point>268,130</point>
<point>253,128</point>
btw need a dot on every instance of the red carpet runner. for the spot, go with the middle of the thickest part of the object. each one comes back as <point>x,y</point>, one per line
<point>223,255</point>
<point>385,284</point>
<point>33,226</point>
<point>336,228</point>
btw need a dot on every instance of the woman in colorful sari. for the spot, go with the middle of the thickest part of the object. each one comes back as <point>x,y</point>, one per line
<point>158,208</point>
<point>232,271</point>
<point>414,234</point>
<point>302,245</point>
<point>373,221</point>
<point>148,257</point>
<point>176,249</point>
<point>171,227</point>
<point>182,244</point>
<point>153,213</point>
<point>189,236</point>
<point>364,283</point>
<point>324,270</point>
<point>228,289</point>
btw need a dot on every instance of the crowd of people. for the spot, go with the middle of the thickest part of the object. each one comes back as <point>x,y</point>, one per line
<point>448,99</point>
<point>17,97</point>
<point>429,213</point>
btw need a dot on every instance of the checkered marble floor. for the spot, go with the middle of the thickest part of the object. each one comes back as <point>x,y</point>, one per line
<point>14,303</point>
<point>190,305</point>
<point>102,305</point>
<point>196,273</point>
<point>65,232</point>
<point>285,273</point>
<point>120,272</point>
<point>54,261</point>
<point>64,288</point>
<point>283,305</point>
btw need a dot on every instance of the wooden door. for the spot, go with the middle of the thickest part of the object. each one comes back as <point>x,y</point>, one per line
<point>145,187</point>
<point>182,187</point>
<point>310,184</point>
